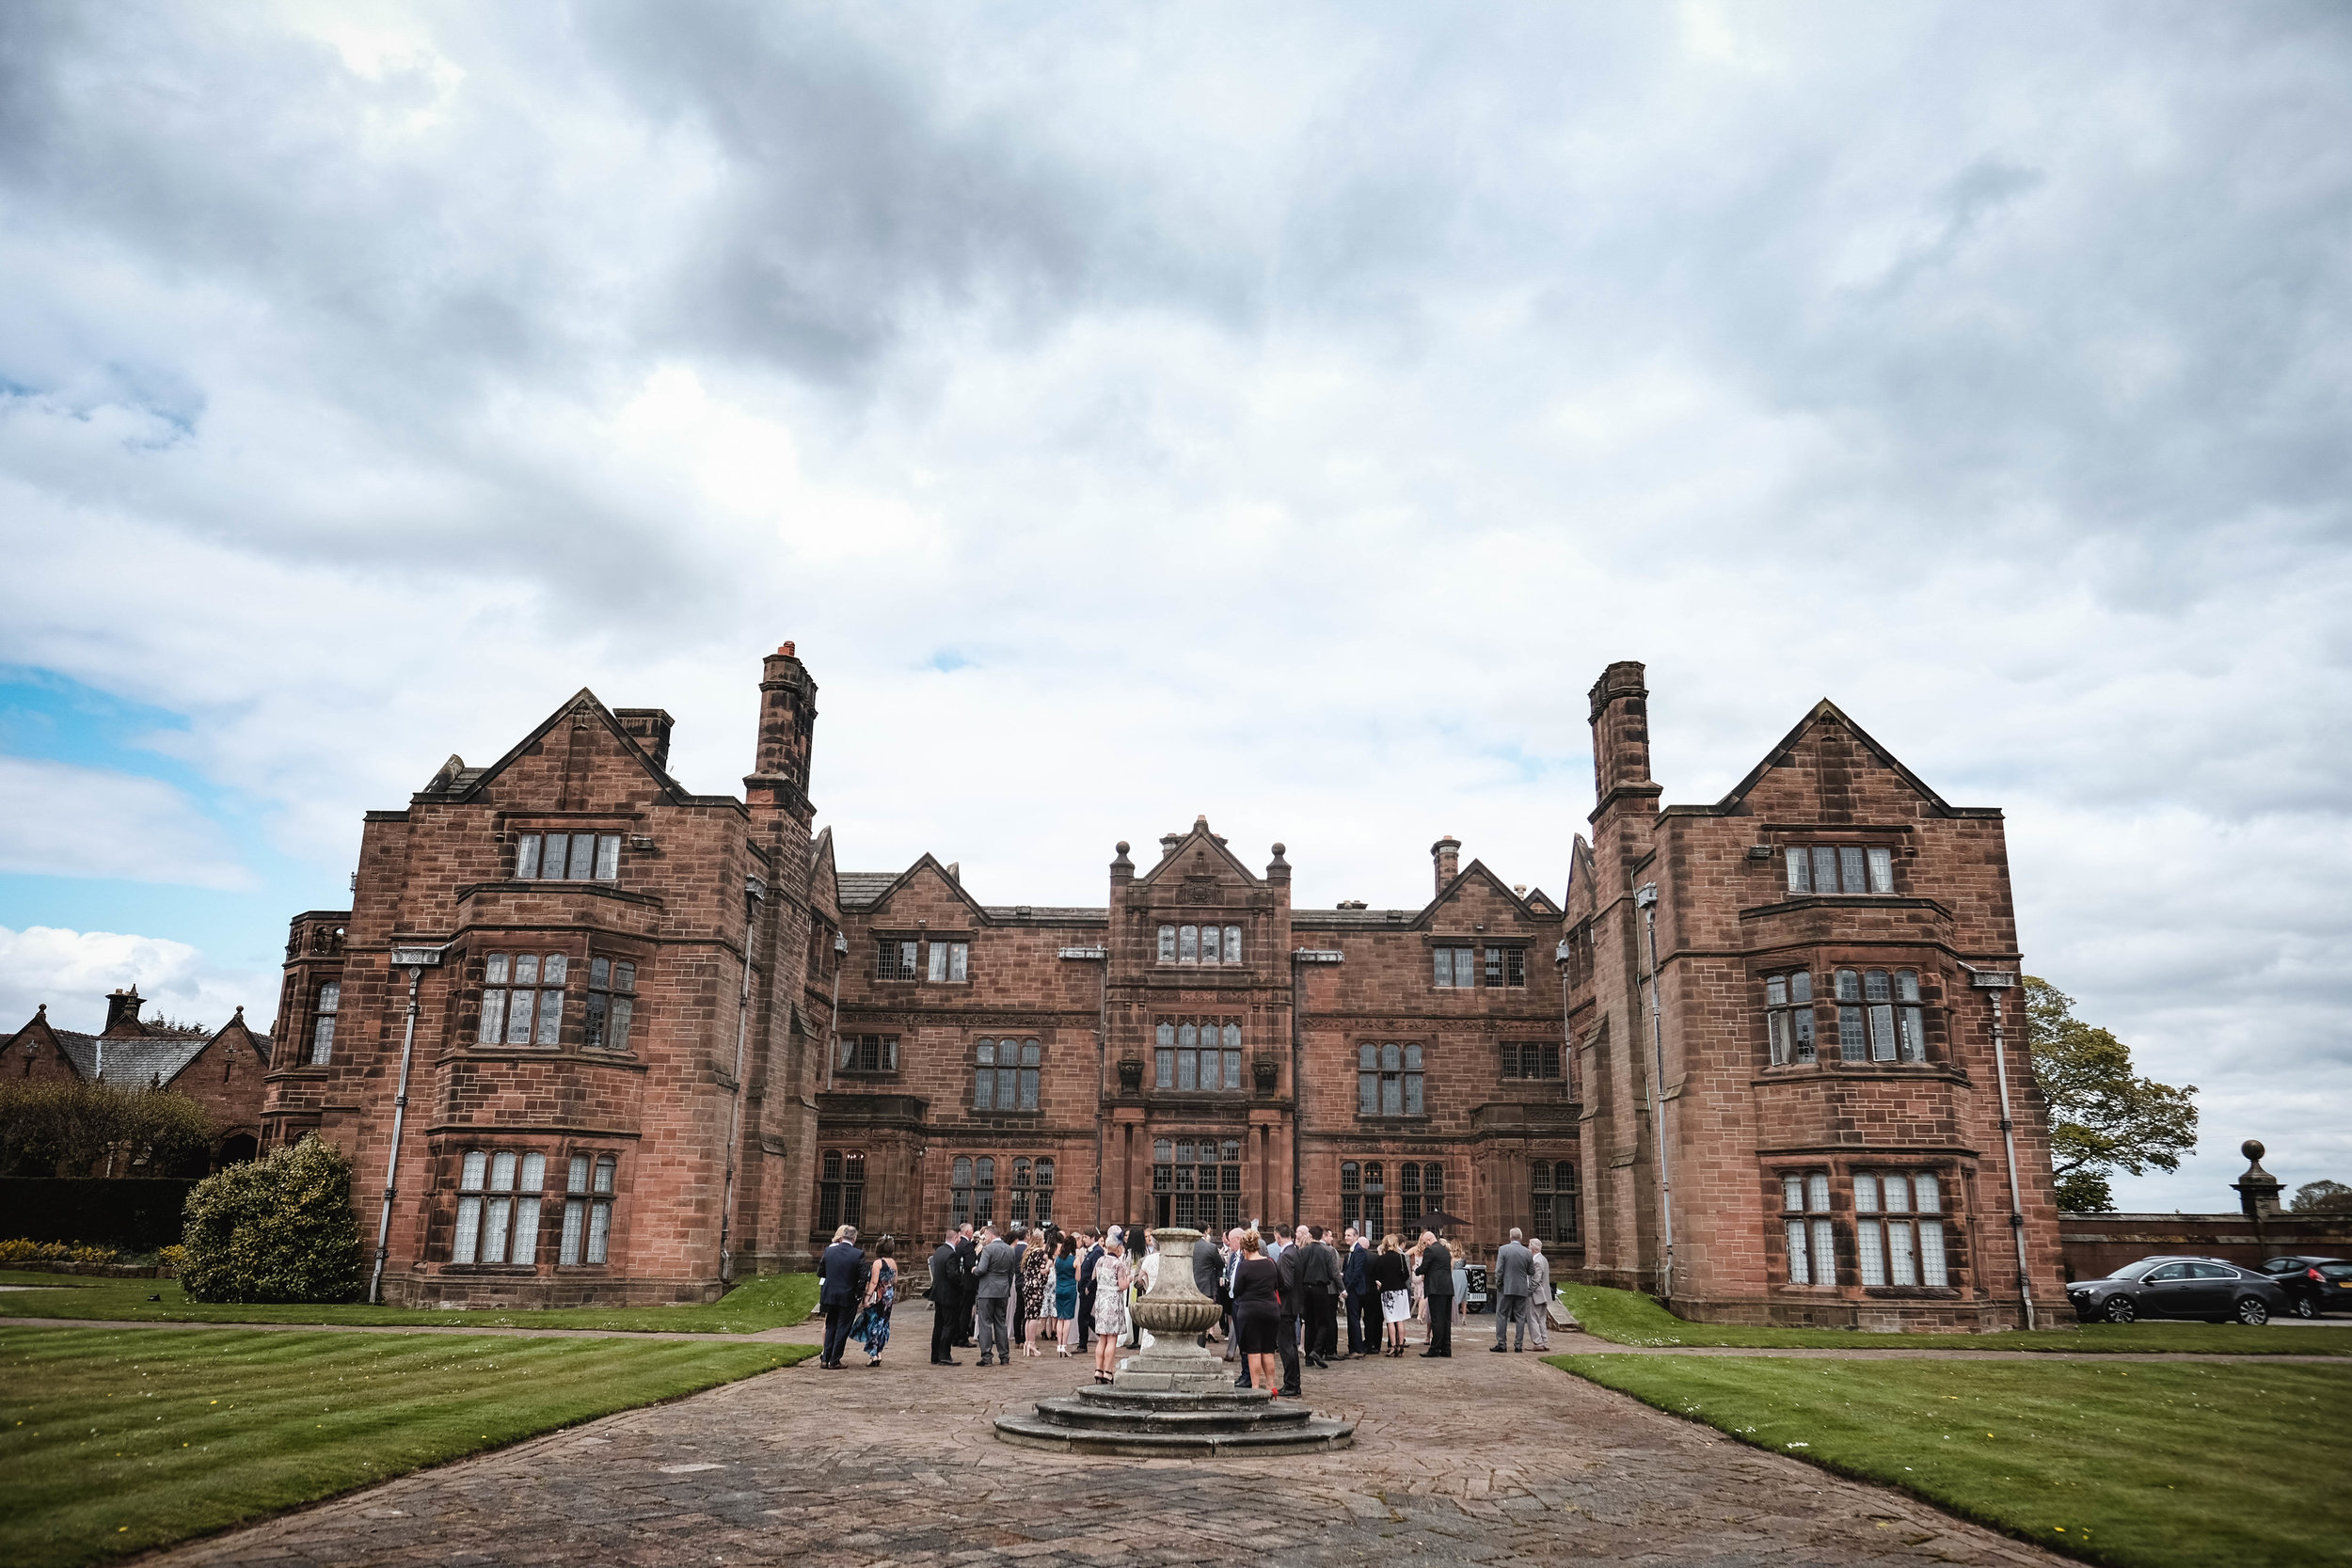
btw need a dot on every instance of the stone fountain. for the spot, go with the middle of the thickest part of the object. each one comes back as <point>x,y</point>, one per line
<point>1176,1397</point>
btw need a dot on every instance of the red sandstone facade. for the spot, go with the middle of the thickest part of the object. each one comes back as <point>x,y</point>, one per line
<point>1194,1051</point>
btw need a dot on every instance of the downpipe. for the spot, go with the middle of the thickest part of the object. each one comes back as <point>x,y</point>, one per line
<point>2008,1139</point>
<point>755,891</point>
<point>391,1159</point>
<point>1645,897</point>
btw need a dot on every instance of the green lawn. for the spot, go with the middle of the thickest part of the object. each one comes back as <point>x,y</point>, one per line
<point>2160,1465</point>
<point>1630,1318</point>
<point>115,1440</point>
<point>765,1301</point>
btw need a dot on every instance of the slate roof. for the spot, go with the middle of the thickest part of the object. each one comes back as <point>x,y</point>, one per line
<point>1351,920</point>
<point>130,1060</point>
<point>1047,913</point>
<point>859,889</point>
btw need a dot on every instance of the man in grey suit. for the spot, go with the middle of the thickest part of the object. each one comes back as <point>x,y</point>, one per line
<point>992,1288</point>
<point>1208,1266</point>
<point>1515,1274</point>
<point>1539,1294</point>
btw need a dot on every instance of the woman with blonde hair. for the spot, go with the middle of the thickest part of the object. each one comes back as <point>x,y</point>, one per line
<point>1111,1279</point>
<point>1257,1312</point>
<point>1392,1277</point>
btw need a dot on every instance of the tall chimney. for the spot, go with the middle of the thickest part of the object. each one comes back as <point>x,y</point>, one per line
<point>1621,735</point>
<point>650,728</point>
<point>1447,853</point>
<point>787,721</point>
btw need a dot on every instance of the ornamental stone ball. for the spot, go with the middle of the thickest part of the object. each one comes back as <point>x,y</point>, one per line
<point>2253,1148</point>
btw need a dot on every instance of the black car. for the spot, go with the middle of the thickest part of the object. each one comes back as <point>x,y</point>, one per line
<point>2203,1288</point>
<point>2313,1285</point>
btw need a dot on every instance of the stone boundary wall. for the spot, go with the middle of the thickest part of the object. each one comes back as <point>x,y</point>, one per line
<point>2096,1246</point>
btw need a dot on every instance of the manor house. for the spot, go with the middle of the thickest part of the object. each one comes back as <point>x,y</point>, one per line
<point>653,1039</point>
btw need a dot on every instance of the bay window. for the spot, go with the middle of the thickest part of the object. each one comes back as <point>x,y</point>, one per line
<point>1898,1229</point>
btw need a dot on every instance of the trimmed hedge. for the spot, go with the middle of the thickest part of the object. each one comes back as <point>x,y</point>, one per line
<point>274,1230</point>
<point>136,1214</point>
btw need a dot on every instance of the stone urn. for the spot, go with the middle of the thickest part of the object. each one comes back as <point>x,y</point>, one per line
<point>1176,1397</point>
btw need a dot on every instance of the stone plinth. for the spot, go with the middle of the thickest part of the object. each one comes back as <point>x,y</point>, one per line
<point>1175,1398</point>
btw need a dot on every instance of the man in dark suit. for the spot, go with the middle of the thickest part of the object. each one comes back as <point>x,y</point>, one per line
<point>1321,1275</point>
<point>1208,1267</point>
<point>841,1285</point>
<point>946,1289</point>
<point>1293,1266</point>
<point>1089,1254</point>
<point>1437,1287</point>
<point>1356,1279</point>
<point>967,1267</point>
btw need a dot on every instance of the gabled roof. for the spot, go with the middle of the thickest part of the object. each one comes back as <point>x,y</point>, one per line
<point>137,1061</point>
<point>1478,868</point>
<point>1201,838</point>
<point>455,780</point>
<point>868,894</point>
<point>1825,709</point>
<point>1583,879</point>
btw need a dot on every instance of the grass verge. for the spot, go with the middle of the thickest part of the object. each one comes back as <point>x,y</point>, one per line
<point>1630,1318</point>
<point>763,1302</point>
<point>2149,1465</point>
<point>113,1441</point>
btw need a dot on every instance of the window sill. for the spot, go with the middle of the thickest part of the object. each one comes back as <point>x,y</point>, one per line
<point>1401,1119</point>
<point>1911,1293</point>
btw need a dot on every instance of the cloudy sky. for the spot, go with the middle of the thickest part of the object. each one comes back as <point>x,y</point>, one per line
<point>1274,413</point>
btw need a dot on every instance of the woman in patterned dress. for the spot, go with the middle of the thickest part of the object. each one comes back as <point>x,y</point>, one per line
<point>882,1289</point>
<point>1037,1288</point>
<point>1111,1278</point>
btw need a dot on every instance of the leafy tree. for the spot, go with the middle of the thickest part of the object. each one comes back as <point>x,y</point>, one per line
<point>2322,1197</point>
<point>275,1229</point>
<point>49,1126</point>
<point>2104,1118</point>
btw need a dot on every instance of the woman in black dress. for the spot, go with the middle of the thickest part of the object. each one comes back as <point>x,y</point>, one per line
<point>1258,1312</point>
<point>1392,1277</point>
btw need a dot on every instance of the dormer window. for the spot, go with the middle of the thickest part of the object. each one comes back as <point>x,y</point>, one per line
<point>1200,944</point>
<point>568,857</point>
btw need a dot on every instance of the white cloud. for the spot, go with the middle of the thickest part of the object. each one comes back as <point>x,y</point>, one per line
<point>60,820</point>
<point>72,972</point>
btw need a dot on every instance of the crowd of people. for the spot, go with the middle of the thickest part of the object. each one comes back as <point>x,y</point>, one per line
<point>1283,1297</point>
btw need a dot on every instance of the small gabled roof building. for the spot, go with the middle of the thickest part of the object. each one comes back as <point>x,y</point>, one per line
<point>221,1069</point>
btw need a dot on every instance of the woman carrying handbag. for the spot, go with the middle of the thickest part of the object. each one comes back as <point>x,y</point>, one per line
<point>881,1291</point>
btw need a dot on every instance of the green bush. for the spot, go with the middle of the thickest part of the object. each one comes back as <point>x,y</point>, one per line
<point>275,1229</point>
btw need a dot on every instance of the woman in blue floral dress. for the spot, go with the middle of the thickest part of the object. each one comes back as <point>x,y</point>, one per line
<point>882,1289</point>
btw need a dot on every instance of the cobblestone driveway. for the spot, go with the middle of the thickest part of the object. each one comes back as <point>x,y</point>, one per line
<point>1485,1459</point>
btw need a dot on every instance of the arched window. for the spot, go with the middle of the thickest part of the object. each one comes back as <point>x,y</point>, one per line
<point>1046,1192</point>
<point>1004,1074</point>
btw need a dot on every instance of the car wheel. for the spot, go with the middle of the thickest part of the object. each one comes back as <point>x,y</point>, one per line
<point>2119,1310</point>
<point>2306,1307</point>
<point>2251,1312</point>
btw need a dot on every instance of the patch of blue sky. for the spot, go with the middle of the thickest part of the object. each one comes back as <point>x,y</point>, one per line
<point>55,718</point>
<point>1517,764</point>
<point>948,661</point>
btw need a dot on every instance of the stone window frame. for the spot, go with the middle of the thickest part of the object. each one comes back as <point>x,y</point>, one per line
<point>601,863</point>
<point>501,1192</point>
<point>1030,1190</point>
<point>947,961</point>
<point>1791,1029</point>
<point>1808,1226</point>
<point>1417,1181</point>
<point>503,982</point>
<point>1857,870</point>
<point>591,1186</point>
<point>857,1050</point>
<point>1555,1188</point>
<point>1907,1239</point>
<point>326,1004</point>
<point>1503,966</point>
<point>1881,1014</point>
<point>840,1189</point>
<point>1410,1074</point>
<point>1169,1053</point>
<point>611,1008</point>
<point>1029,1070</point>
<point>1187,944</point>
<point>897,959</point>
<point>1179,1180</point>
<point>1364,1196</point>
<point>1514,1056</point>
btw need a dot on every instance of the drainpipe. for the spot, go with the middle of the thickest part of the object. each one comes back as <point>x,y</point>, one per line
<point>416,960</point>
<point>754,892</point>
<point>832,1047</point>
<point>1993,985</point>
<point>1646,899</point>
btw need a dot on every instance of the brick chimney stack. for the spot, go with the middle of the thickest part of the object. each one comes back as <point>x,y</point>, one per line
<point>650,728</point>
<point>122,1013</point>
<point>1447,853</point>
<point>787,723</point>
<point>1621,735</point>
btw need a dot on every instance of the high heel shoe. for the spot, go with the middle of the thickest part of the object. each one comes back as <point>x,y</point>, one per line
<point>1061,1349</point>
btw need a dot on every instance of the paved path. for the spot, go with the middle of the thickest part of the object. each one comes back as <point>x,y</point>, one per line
<point>1485,1459</point>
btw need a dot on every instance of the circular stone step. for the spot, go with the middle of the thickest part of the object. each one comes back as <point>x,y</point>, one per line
<point>1315,1435</point>
<point>1099,1416</point>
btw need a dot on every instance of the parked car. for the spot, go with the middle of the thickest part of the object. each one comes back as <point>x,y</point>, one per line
<point>2313,1285</point>
<point>2203,1288</point>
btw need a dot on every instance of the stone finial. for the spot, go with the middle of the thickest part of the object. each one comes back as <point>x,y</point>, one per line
<point>2257,1190</point>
